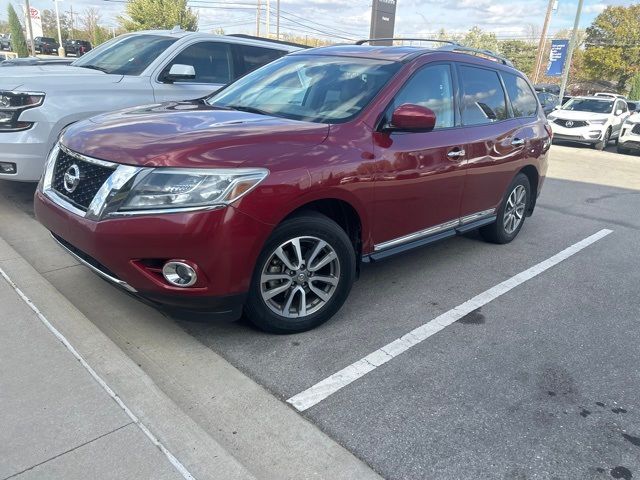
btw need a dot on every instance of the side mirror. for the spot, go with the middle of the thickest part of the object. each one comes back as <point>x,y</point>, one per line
<point>413,118</point>
<point>179,72</point>
<point>618,113</point>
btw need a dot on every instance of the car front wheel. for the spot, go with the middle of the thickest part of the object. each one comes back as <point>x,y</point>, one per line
<point>303,275</point>
<point>605,141</point>
<point>511,213</point>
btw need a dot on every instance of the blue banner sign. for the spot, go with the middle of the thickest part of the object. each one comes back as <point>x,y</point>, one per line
<point>557,57</point>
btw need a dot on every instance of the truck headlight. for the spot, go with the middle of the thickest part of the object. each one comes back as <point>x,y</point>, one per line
<point>193,188</point>
<point>12,104</point>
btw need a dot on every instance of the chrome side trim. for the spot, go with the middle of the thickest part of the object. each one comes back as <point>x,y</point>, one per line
<point>477,216</point>
<point>434,230</point>
<point>97,271</point>
<point>417,235</point>
<point>84,158</point>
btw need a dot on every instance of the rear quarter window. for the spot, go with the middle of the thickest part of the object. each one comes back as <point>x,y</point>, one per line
<point>483,99</point>
<point>523,101</point>
<point>255,57</point>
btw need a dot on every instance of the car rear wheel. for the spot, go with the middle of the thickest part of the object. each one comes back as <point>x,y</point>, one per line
<point>511,213</point>
<point>303,275</point>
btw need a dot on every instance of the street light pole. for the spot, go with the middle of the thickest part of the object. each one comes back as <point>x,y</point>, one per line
<point>543,41</point>
<point>268,26</point>
<point>61,48</point>
<point>572,46</point>
<point>28,15</point>
<point>278,20</point>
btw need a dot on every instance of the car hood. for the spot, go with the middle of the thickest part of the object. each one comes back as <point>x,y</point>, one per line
<point>634,117</point>
<point>576,115</point>
<point>191,134</point>
<point>46,78</point>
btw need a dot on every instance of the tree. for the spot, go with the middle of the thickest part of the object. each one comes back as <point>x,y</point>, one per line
<point>90,21</point>
<point>18,42</point>
<point>613,45</point>
<point>477,38</point>
<point>50,25</point>
<point>521,53</point>
<point>634,93</point>
<point>158,14</point>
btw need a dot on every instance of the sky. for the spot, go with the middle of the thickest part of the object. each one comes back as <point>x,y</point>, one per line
<point>343,20</point>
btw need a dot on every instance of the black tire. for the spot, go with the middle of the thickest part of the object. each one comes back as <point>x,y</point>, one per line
<point>307,224</point>
<point>621,149</point>
<point>605,141</point>
<point>496,231</point>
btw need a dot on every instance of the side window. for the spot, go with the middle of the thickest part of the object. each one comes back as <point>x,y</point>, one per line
<point>482,96</point>
<point>620,105</point>
<point>522,99</point>
<point>211,61</point>
<point>430,87</point>
<point>255,57</point>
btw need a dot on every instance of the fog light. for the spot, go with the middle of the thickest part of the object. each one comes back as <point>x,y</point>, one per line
<point>7,167</point>
<point>179,274</point>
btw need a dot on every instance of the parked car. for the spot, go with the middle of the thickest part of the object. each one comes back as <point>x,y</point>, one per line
<point>16,61</point>
<point>548,88</point>
<point>5,42</point>
<point>133,69</point>
<point>267,196</point>
<point>77,47</point>
<point>610,95</point>
<point>629,141</point>
<point>589,120</point>
<point>45,45</point>
<point>566,98</point>
<point>549,101</point>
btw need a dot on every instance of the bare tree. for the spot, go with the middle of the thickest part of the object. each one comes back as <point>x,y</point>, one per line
<point>90,21</point>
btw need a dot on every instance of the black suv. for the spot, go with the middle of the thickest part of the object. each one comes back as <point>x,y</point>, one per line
<point>5,41</point>
<point>77,47</point>
<point>45,45</point>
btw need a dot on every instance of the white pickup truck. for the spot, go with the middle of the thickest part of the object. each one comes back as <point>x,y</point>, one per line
<point>38,102</point>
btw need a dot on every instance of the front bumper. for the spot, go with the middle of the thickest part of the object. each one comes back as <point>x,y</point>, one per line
<point>223,244</point>
<point>28,149</point>
<point>628,139</point>
<point>589,135</point>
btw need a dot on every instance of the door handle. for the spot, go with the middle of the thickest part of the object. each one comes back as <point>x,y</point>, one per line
<point>456,154</point>
<point>517,142</point>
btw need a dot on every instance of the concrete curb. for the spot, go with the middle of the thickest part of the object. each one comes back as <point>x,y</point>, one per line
<point>193,447</point>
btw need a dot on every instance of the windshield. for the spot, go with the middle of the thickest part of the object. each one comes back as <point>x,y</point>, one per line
<point>320,89</point>
<point>126,55</point>
<point>589,105</point>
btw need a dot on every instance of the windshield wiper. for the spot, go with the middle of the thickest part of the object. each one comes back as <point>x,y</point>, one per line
<point>94,67</point>
<point>243,108</point>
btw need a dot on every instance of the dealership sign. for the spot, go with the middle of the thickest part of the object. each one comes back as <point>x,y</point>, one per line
<point>557,57</point>
<point>383,19</point>
<point>36,22</point>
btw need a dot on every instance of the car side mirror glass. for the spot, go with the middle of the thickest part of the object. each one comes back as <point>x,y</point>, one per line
<point>412,118</point>
<point>618,113</point>
<point>179,72</point>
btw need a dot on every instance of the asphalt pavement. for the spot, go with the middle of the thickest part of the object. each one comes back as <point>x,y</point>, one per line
<point>541,382</point>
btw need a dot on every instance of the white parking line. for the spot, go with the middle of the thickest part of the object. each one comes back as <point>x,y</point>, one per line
<point>170,456</point>
<point>330,385</point>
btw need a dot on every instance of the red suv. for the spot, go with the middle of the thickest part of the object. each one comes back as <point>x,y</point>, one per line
<point>267,196</point>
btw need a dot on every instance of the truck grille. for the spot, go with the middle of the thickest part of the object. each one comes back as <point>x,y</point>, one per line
<point>91,177</point>
<point>570,123</point>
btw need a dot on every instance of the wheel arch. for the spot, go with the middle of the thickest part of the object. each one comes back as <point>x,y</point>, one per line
<point>534,178</point>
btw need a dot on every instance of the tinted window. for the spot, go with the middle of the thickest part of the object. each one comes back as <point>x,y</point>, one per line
<point>482,96</point>
<point>523,102</point>
<point>430,87</point>
<point>210,60</point>
<point>255,57</point>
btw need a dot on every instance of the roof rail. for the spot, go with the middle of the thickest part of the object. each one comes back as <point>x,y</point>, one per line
<point>476,51</point>
<point>270,40</point>
<point>369,40</point>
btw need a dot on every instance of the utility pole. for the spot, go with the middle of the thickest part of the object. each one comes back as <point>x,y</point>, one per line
<point>61,48</point>
<point>73,23</point>
<point>28,15</point>
<point>278,20</point>
<point>259,6</point>
<point>572,46</point>
<point>543,41</point>
<point>268,18</point>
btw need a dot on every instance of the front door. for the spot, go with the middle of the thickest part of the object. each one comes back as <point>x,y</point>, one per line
<point>420,174</point>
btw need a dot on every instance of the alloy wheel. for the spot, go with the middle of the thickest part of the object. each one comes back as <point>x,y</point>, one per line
<point>514,209</point>
<point>300,277</point>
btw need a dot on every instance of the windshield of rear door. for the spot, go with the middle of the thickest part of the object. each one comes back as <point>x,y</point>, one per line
<point>313,88</point>
<point>589,105</point>
<point>126,55</point>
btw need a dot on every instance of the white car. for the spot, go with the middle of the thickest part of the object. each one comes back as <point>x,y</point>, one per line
<point>629,140</point>
<point>38,102</point>
<point>589,120</point>
<point>610,95</point>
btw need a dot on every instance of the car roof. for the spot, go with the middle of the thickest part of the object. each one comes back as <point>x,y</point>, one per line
<point>181,34</point>
<point>395,53</point>
<point>592,97</point>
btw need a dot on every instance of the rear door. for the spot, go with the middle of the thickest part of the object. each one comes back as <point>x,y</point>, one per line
<point>213,65</point>
<point>419,185</point>
<point>497,137</point>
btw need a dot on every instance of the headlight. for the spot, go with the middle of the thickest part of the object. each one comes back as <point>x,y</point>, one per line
<point>598,122</point>
<point>184,189</point>
<point>551,117</point>
<point>14,103</point>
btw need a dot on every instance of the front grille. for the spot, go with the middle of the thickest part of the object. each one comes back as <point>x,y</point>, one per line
<point>636,129</point>
<point>570,123</point>
<point>92,177</point>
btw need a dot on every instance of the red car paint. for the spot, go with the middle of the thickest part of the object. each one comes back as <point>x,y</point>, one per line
<point>396,183</point>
